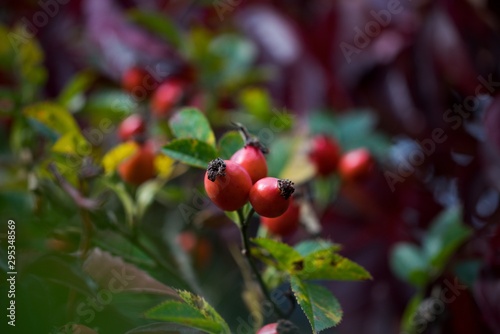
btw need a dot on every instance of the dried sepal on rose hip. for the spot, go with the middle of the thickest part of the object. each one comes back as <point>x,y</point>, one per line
<point>251,157</point>
<point>270,197</point>
<point>227,184</point>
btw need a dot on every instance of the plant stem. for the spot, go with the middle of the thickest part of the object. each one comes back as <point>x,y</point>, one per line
<point>244,222</point>
<point>87,230</point>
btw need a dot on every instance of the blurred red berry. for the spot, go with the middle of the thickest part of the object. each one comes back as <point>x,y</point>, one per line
<point>285,224</point>
<point>131,126</point>
<point>138,82</point>
<point>324,154</point>
<point>139,167</point>
<point>355,164</point>
<point>166,97</point>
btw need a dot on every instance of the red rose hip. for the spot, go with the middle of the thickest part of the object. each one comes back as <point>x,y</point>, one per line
<point>324,155</point>
<point>285,224</point>
<point>227,184</point>
<point>252,159</point>
<point>355,164</point>
<point>139,167</point>
<point>131,126</point>
<point>270,197</point>
<point>166,97</point>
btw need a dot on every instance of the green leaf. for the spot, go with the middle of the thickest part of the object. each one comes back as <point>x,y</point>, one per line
<point>257,102</point>
<point>324,264</point>
<point>280,152</point>
<point>408,318</point>
<point>72,94</point>
<point>444,236</point>
<point>53,116</point>
<point>72,143</point>
<point>206,309</point>
<point>320,306</point>
<point>192,123</point>
<point>157,23</point>
<point>146,193</point>
<point>195,312</point>
<point>237,55</point>
<point>183,314</point>
<point>190,151</point>
<point>409,264</point>
<point>352,130</point>
<point>113,104</point>
<point>29,59</point>
<point>323,123</point>
<point>126,200</point>
<point>229,143</point>
<point>283,256</point>
<point>308,247</point>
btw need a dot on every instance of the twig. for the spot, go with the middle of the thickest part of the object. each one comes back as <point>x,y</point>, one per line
<point>244,221</point>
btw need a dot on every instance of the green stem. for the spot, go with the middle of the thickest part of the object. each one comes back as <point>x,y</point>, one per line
<point>244,222</point>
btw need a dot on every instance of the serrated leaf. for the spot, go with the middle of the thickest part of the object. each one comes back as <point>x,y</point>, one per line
<point>195,312</point>
<point>409,264</point>
<point>229,143</point>
<point>53,116</point>
<point>183,314</point>
<point>283,256</point>
<point>318,303</point>
<point>192,123</point>
<point>206,309</point>
<point>157,23</point>
<point>310,246</point>
<point>325,264</point>
<point>190,151</point>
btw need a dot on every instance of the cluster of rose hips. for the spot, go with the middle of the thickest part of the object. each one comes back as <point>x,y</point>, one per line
<point>326,156</point>
<point>164,97</point>
<point>230,184</point>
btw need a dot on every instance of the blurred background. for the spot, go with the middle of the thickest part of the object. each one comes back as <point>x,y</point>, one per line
<point>415,82</point>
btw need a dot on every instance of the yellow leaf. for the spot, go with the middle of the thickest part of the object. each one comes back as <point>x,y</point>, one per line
<point>299,168</point>
<point>53,116</point>
<point>72,143</point>
<point>164,165</point>
<point>119,153</point>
